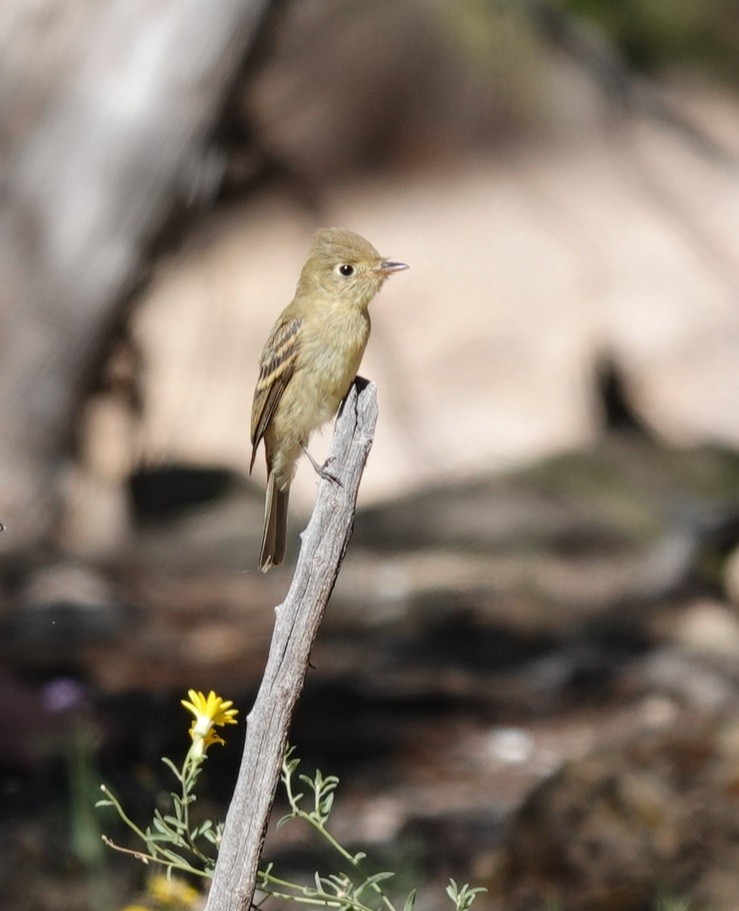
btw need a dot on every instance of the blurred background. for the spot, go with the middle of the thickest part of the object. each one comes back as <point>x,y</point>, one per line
<point>528,675</point>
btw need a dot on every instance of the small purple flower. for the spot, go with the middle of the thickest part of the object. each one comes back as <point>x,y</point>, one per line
<point>63,694</point>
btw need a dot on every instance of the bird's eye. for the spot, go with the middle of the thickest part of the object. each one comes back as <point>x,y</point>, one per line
<point>346,270</point>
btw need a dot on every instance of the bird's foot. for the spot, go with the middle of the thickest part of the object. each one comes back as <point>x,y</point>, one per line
<point>322,470</point>
<point>329,475</point>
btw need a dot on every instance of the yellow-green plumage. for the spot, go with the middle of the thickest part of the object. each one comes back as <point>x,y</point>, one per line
<point>309,362</point>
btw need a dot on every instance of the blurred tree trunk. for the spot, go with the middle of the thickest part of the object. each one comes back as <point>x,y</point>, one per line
<point>103,131</point>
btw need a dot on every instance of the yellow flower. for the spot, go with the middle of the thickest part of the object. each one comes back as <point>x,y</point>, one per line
<point>210,711</point>
<point>172,893</point>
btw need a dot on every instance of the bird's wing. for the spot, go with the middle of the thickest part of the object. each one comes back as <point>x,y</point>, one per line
<point>275,370</point>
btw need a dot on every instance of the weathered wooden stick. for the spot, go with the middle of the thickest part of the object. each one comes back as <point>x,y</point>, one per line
<point>297,620</point>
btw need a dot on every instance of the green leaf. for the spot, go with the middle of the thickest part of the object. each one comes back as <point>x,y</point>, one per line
<point>377,878</point>
<point>202,829</point>
<point>157,837</point>
<point>160,825</point>
<point>338,880</point>
<point>410,902</point>
<point>326,805</point>
<point>172,767</point>
<point>373,882</point>
<point>464,897</point>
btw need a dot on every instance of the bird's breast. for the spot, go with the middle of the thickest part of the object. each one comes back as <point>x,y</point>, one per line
<point>333,351</point>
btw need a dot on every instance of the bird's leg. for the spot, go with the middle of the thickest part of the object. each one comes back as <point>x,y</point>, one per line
<point>321,470</point>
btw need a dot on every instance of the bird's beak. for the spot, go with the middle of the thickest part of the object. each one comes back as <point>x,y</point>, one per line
<point>386,267</point>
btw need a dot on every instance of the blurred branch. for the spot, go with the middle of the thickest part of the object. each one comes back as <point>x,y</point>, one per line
<point>324,543</point>
<point>592,52</point>
<point>114,150</point>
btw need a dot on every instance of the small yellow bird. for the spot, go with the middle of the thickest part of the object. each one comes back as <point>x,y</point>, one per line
<point>309,363</point>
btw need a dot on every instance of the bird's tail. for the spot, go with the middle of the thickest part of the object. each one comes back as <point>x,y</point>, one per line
<point>274,536</point>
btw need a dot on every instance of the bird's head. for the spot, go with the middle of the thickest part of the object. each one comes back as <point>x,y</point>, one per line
<point>345,266</point>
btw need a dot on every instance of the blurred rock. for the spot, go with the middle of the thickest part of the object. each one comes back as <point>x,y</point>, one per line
<point>511,590</point>
<point>481,635</point>
<point>731,577</point>
<point>632,822</point>
<point>472,375</point>
<point>60,610</point>
<point>699,682</point>
<point>420,82</point>
<point>708,626</point>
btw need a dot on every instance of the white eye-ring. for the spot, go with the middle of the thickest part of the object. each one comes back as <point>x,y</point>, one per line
<point>345,269</point>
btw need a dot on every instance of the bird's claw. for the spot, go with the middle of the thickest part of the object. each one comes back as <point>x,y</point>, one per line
<point>327,475</point>
<point>322,470</point>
